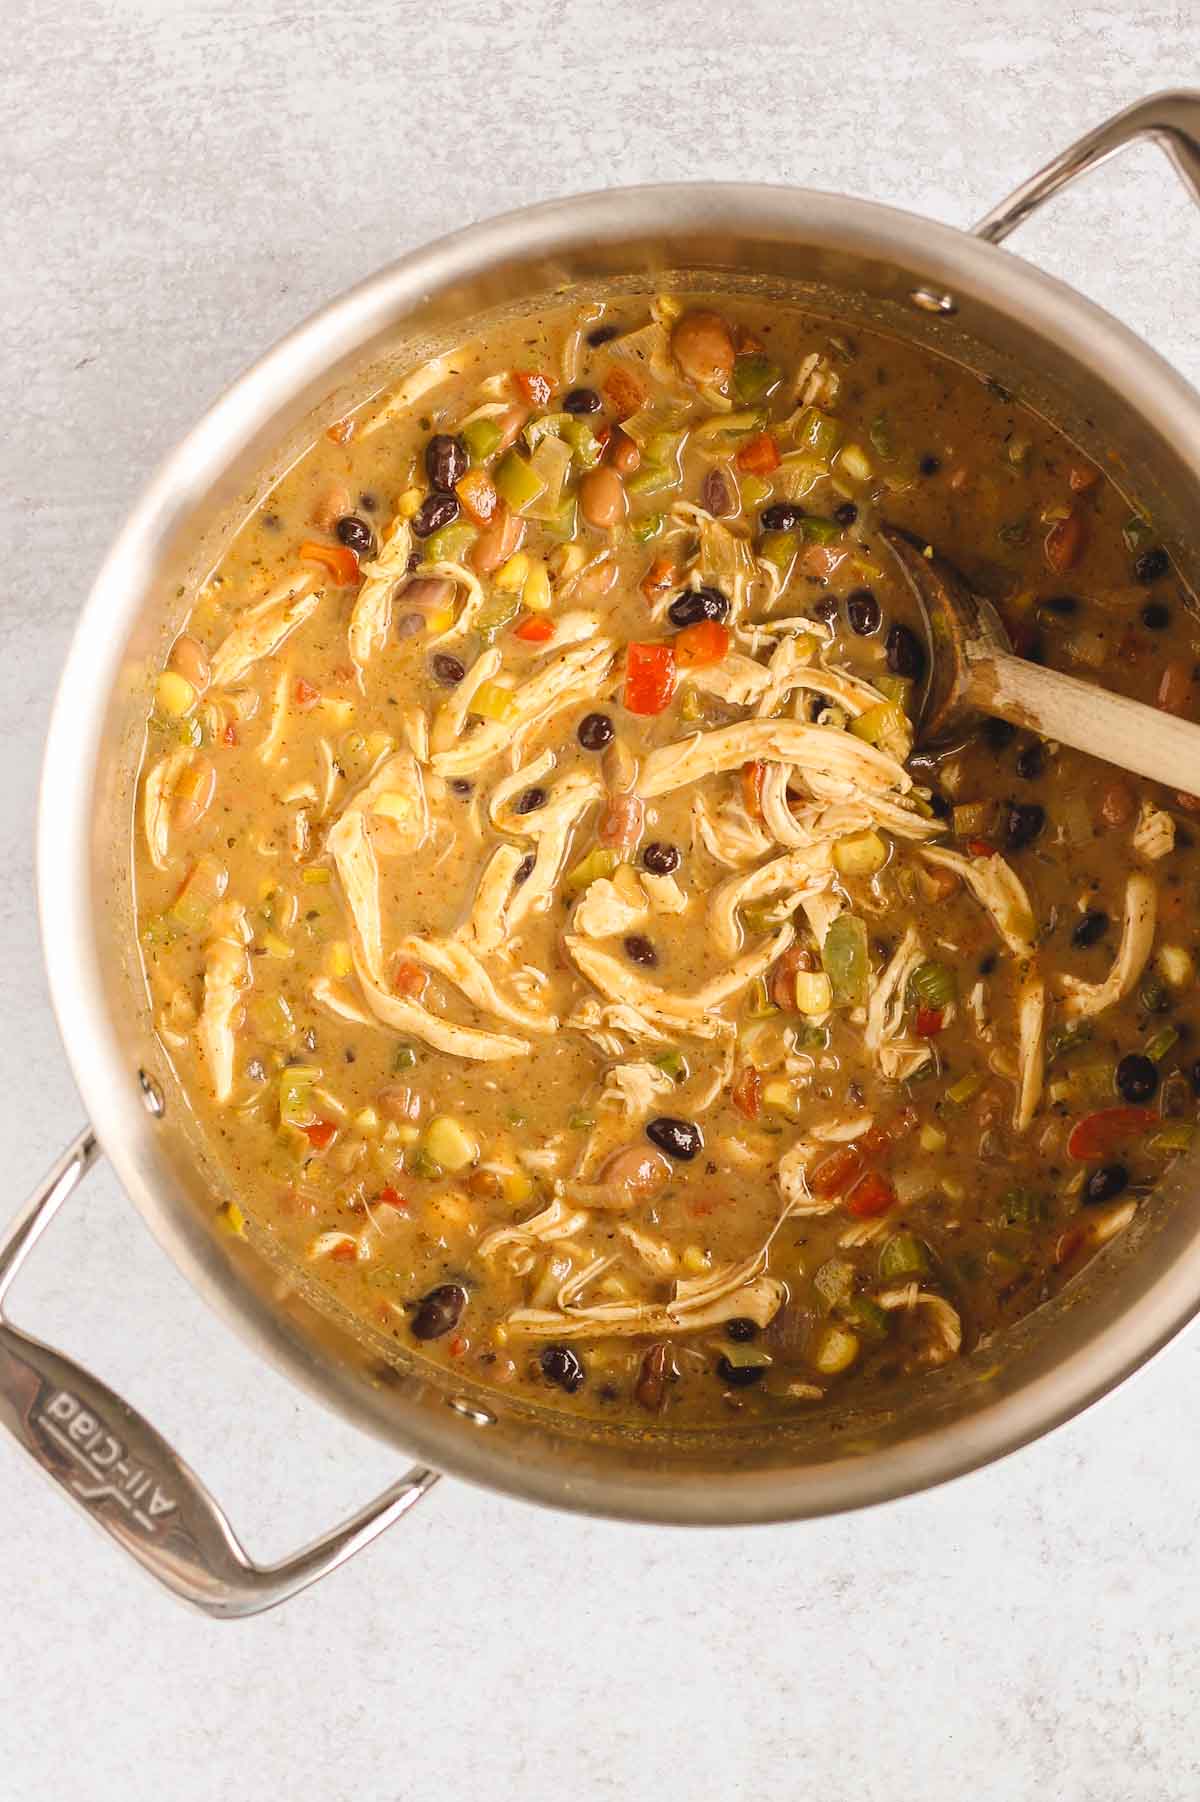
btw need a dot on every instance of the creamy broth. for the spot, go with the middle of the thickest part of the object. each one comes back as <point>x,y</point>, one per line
<point>558,939</point>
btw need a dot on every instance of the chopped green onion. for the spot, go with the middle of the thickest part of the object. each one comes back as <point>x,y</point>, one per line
<point>811,1038</point>
<point>419,1162</point>
<point>745,1356</point>
<point>1062,1040</point>
<point>547,425</point>
<point>760,1005</point>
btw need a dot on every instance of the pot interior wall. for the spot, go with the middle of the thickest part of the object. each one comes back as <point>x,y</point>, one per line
<point>847,261</point>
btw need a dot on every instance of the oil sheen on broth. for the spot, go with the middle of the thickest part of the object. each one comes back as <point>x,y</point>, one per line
<point>548,919</point>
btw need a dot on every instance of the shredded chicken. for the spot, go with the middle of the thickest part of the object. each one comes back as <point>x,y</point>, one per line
<point>413,1021</point>
<point>997,887</point>
<point>663,894</point>
<point>414,386</point>
<point>262,629</point>
<point>1137,938</point>
<point>633,1089</point>
<point>226,974</point>
<point>944,1323</point>
<point>371,617</point>
<point>694,1013</point>
<point>800,873</point>
<point>1031,1029</point>
<point>897,1055</point>
<point>157,796</point>
<point>786,741</point>
<point>485,929</point>
<point>452,960</point>
<point>576,675</point>
<point>1154,834</point>
<point>729,836</point>
<point>604,911</point>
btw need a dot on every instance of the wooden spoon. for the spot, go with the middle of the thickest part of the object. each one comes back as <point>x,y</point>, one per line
<point>972,671</point>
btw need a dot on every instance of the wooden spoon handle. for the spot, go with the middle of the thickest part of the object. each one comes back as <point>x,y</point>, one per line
<point>1128,733</point>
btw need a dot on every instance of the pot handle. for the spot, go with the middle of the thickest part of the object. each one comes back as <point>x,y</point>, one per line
<point>1171,118</point>
<point>124,1475</point>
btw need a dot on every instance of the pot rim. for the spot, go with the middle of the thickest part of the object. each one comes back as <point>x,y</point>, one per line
<point>951,259</point>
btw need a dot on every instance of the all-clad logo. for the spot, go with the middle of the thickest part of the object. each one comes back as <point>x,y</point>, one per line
<point>106,1472</point>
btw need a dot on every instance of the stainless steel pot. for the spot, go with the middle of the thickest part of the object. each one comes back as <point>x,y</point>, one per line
<point>953,290</point>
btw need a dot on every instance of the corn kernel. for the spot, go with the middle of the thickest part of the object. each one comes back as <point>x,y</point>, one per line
<point>233,1219</point>
<point>492,701</point>
<point>499,1335</point>
<point>274,946</point>
<point>932,1138</point>
<point>314,875</point>
<point>404,1135</point>
<point>379,744</point>
<point>174,694</point>
<point>854,460</point>
<point>339,960</point>
<point>366,1120</point>
<point>954,1191</point>
<point>536,593</point>
<point>814,992</point>
<point>510,577</point>
<point>409,502</point>
<point>1177,966</point>
<point>517,1187</point>
<point>567,560</point>
<point>340,712</point>
<point>695,1260</point>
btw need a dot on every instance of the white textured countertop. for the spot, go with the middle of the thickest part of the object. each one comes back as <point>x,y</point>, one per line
<point>180,184</point>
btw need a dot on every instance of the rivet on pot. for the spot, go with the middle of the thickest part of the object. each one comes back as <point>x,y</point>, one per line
<point>478,1417</point>
<point>152,1095</point>
<point>930,301</point>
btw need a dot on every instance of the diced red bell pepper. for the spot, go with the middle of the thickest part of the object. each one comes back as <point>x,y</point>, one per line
<point>341,431</point>
<point>833,1173</point>
<point>477,492</point>
<point>1064,543</point>
<point>338,559</point>
<point>345,1252</point>
<point>929,1022</point>
<point>1081,477</point>
<point>230,734</point>
<point>746,1093</point>
<point>760,456</point>
<point>752,787</point>
<point>408,978</point>
<point>306,695</point>
<point>534,629</point>
<point>392,1198</point>
<point>535,386</point>
<point>705,643</point>
<point>872,1194</point>
<point>878,1139</point>
<point>981,847</point>
<point>320,1134</point>
<point>624,392</point>
<point>660,576</point>
<point>1098,1134</point>
<point>649,677</point>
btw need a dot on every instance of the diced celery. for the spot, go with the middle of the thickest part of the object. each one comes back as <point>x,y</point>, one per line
<point>732,425</point>
<point>780,549</point>
<point>811,1038</point>
<point>481,438</point>
<point>503,606</point>
<point>818,433</point>
<point>491,701</point>
<point>973,819</point>
<point>560,524</point>
<point>755,492</point>
<point>272,1019</point>
<point>844,956</point>
<point>691,707</point>
<point>646,528</point>
<point>934,984</point>
<point>448,545</point>
<point>966,1088</point>
<point>1021,1207</point>
<point>903,1255</point>
<point>1176,1137</point>
<point>585,447</point>
<point>420,1162</point>
<point>547,425</point>
<point>745,1354</point>
<point>652,478</point>
<point>1158,1047</point>
<point>861,854</point>
<point>600,862</point>
<point>834,1282</point>
<point>896,688</point>
<point>867,1318</point>
<point>663,447</point>
<point>754,377</point>
<point>581,1121</point>
<point>760,1006</point>
<point>449,1143</point>
<point>881,437</point>
<point>295,1094</point>
<point>877,722</point>
<point>516,482</point>
<point>203,887</point>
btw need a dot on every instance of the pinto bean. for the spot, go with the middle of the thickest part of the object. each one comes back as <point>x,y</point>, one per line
<point>1175,686</point>
<point>621,825</point>
<point>194,794</point>
<point>703,348</point>
<point>597,581</point>
<point>427,594</point>
<point>190,660</point>
<point>626,457</point>
<point>1064,543</point>
<point>783,978</point>
<point>497,541</point>
<point>1116,805</point>
<point>638,1169</point>
<point>511,425</point>
<point>657,1369</point>
<point>602,497</point>
<point>619,767</point>
<point>399,1102</point>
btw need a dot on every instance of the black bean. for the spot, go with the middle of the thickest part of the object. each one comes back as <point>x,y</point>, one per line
<point>661,859</point>
<point>715,497</point>
<point>368,502</point>
<point>440,1310</point>
<point>447,669</point>
<point>272,521</point>
<point>1091,927</point>
<point>1105,1183</point>
<point>1195,1076</point>
<point>1151,566</point>
<point>846,514</point>
<point>1137,1078</point>
<point>357,534</point>
<point>435,511</point>
<point>987,963</point>
<point>1156,616</point>
<point>446,462</point>
<point>929,465</point>
<point>603,334</point>
<point>595,731</point>
<point>639,949</point>
<point>563,1367</point>
<point>998,734</point>
<point>1031,760</point>
<point>1025,820</point>
<point>826,607</point>
<point>905,655</point>
<point>741,1329</point>
<point>780,516</point>
<point>1062,604</point>
<point>939,806</point>
<point>582,400</point>
<point>739,1376</point>
<point>461,787</point>
<point>529,800</point>
<point>524,870</point>
<point>695,604</point>
<point>863,612</point>
<point>681,1139</point>
<point>409,625</point>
